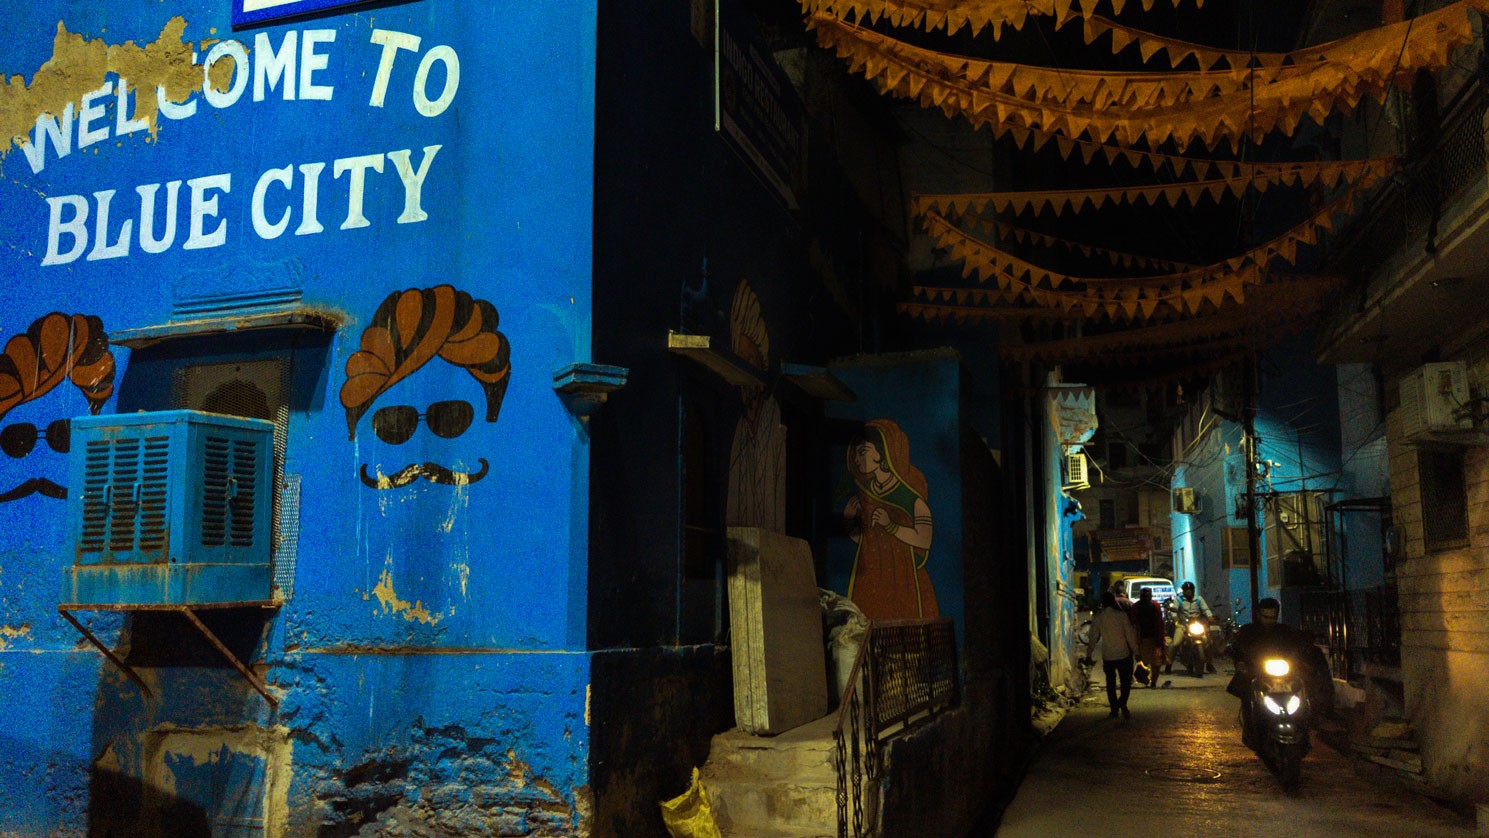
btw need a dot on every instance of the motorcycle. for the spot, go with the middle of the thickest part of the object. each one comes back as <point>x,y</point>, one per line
<point>1277,718</point>
<point>1191,651</point>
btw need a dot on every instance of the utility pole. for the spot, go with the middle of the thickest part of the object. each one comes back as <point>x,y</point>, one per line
<point>1248,448</point>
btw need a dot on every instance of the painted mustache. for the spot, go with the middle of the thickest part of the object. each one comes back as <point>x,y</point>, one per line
<point>35,484</point>
<point>433,472</point>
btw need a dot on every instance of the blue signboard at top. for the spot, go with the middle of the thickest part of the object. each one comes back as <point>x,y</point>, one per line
<point>257,11</point>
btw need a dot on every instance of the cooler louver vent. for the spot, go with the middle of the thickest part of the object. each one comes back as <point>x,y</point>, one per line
<point>171,507</point>
<point>244,501</point>
<point>153,491</point>
<point>229,490</point>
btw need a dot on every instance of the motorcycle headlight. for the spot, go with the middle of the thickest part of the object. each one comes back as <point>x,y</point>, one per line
<point>1196,628</point>
<point>1272,706</point>
<point>1276,667</point>
<point>1293,704</point>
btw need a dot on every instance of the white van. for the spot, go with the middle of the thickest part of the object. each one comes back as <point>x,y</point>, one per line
<point>1163,589</point>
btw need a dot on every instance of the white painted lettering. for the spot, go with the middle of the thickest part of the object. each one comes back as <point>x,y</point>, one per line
<point>101,248</point>
<point>451,61</point>
<point>46,126</point>
<point>271,68</point>
<point>123,123</point>
<point>77,227</point>
<point>413,182</point>
<point>148,242</point>
<point>241,71</point>
<point>172,110</point>
<point>261,224</point>
<point>391,43</point>
<point>203,207</point>
<point>357,167</point>
<point>309,223</point>
<point>90,111</point>
<point>310,61</point>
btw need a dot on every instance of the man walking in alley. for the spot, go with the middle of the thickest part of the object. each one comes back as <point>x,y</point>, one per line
<point>1147,617</point>
<point>1114,631</point>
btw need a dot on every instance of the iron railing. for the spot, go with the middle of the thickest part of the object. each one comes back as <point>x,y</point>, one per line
<point>1360,625</point>
<point>905,672</point>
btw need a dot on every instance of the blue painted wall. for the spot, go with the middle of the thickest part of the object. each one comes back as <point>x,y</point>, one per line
<point>434,633</point>
<point>1297,427</point>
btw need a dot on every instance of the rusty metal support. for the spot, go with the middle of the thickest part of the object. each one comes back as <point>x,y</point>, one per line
<point>113,658</point>
<point>243,670</point>
<point>188,611</point>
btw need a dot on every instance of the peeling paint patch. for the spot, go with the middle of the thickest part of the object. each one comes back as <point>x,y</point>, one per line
<point>176,755</point>
<point>459,502</point>
<point>9,634</point>
<point>411,611</point>
<point>446,781</point>
<point>79,67</point>
<point>463,571</point>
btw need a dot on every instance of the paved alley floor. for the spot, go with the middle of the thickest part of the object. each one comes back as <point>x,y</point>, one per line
<point>1178,768</point>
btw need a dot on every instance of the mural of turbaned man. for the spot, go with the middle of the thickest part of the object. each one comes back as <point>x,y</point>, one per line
<point>56,348</point>
<point>409,329</point>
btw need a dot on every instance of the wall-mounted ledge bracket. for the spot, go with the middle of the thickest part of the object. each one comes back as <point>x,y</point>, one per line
<point>818,383</point>
<point>1450,439</point>
<point>187,611</point>
<point>700,350</point>
<point>584,387</point>
<point>312,319</point>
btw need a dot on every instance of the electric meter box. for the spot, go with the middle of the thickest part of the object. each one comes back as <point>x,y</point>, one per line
<point>170,508</point>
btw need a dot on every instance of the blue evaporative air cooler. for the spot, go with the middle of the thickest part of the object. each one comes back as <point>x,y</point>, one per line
<point>170,508</point>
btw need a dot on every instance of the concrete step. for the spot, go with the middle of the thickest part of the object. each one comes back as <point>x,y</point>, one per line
<point>773,809</point>
<point>808,749</point>
<point>783,785</point>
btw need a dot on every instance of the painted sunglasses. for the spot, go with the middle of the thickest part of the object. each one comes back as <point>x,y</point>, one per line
<point>17,440</point>
<point>396,423</point>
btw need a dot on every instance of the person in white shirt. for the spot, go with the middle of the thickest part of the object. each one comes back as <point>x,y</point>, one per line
<point>1118,638</point>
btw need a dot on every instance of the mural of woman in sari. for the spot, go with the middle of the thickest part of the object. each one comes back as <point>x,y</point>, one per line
<point>891,522</point>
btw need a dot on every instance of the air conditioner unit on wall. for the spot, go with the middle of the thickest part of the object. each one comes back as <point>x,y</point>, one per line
<point>1186,502</point>
<point>1075,471</point>
<point>170,508</point>
<point>1434,400</point>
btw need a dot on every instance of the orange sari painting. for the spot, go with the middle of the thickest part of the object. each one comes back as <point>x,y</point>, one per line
<point>891,522</point>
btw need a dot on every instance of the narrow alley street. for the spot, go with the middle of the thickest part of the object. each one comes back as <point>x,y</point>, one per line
<point>1178,764</point>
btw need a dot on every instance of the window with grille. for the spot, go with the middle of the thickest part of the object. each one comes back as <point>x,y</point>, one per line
<point>1444,509</point>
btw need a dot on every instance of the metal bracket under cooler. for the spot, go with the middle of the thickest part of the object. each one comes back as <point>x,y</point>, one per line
<point>189,612</point>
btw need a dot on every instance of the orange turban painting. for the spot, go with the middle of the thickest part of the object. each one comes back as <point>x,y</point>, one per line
<point>413,326</point>
<point>57,347</point>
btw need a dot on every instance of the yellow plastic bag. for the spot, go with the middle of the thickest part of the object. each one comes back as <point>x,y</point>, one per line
<point>690,815</point>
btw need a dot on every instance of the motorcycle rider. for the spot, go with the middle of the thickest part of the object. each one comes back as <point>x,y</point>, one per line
<point>1266,635</point>
<point>1185,607</point>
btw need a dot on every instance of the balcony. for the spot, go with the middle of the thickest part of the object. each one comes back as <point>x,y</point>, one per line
<point>1415,260</point>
